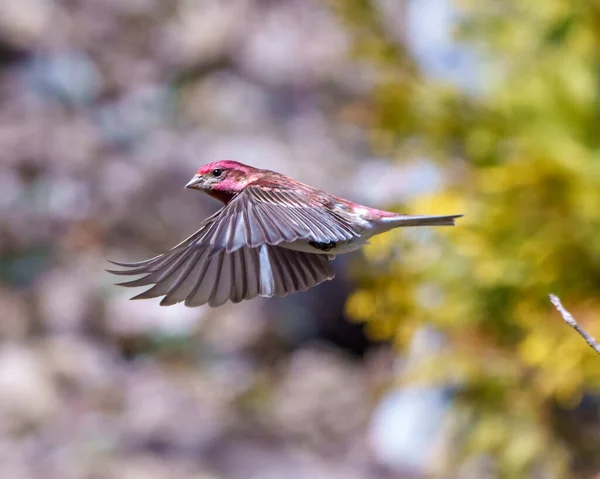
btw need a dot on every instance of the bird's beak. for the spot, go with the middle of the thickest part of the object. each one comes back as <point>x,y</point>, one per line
<point>194,182</point>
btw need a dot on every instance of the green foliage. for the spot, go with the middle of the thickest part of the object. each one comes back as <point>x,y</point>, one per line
<point>523,163</point>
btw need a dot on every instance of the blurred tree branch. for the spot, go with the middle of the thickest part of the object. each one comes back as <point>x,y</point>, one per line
<point>570,320</point>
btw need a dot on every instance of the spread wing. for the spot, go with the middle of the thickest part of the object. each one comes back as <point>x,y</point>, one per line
<point>272,216</point>
<point>200,275</point>
<point>234,255</point>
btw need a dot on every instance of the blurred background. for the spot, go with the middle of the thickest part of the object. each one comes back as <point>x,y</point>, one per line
<point>434,353</point>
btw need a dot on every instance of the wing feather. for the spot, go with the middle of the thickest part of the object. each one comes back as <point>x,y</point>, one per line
<point>222,288</point>
<point>185,281</point>
<point>280,288</point>
<point>234,254</point>
<point>238,287</point>
<point>272,233</point>
<point>202,291</point>
<point>286,280</point>
<point>259,216</point>
<point>198,276</point>
<point>254,217</point>
<point>251,270</point>
<point>299,272</point>
<point>266,282</point>
<point>291,281</point>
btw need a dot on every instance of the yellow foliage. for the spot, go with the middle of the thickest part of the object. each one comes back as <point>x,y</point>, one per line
<point>523,165</point>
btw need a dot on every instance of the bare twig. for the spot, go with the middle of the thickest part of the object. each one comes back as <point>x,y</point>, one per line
<point>570,320</point>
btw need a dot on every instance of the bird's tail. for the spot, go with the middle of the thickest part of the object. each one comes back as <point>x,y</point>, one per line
<point>418,220</point>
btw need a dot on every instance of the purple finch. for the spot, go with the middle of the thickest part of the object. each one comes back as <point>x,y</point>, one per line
<point>273,237</point>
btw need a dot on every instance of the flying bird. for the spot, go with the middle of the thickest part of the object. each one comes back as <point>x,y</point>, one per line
<point>273,236</point>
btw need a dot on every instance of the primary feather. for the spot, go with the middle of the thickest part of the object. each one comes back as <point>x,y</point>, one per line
<point>198,275</point>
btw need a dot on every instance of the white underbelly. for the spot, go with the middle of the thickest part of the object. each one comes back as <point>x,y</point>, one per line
<point>339,248</point>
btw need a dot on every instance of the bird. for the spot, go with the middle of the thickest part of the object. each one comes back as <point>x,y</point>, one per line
<point>273,236</point>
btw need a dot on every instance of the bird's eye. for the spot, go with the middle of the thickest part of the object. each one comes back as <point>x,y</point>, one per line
<point>217,172</point>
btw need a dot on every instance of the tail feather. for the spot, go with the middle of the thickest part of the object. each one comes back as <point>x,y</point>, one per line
<point>418,220</point>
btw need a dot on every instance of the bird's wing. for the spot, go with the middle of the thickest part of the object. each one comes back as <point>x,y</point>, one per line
<point>260,216</point>
<point>273,216</point>
<point>234,254</point>
<point>200,275</point>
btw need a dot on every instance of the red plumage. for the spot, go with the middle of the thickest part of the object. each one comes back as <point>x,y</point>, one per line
<point>273,237</point>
